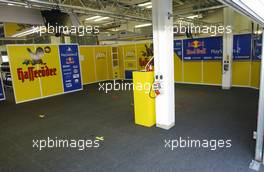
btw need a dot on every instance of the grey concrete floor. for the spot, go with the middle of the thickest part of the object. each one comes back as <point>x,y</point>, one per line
<point>202,112</point>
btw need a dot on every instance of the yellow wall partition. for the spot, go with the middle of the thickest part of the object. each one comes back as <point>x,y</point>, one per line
<point>255,74</point>
<point>130,57</point>
<point>44,70</point>
<point>192,71</point>
<point>109,62</point>
<point>88,64</point>
<point>96,63</point>
<point>18,54</point>
<point>241,73</point>
<point>178,69</point>
<point>53,60</point>
<point>212,72</point>
<point>121,62</point>
<point>101,64</point>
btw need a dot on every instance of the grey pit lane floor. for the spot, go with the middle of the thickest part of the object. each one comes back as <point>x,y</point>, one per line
<point>202,112</point>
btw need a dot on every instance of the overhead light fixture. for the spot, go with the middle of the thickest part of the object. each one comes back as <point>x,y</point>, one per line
<point>93,18</point>
<point>28,32</point>
<point>258,32</point>
<point>192,17</point>
<point>143,25</point>
<point>149,6</point>
<point>10,4</point>
<point>145,4</point>
<point>100,19</point>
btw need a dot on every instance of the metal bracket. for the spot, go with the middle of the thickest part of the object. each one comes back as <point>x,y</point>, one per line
<point>254,135</point>
<point>169,15</point>
<point>254,165</point>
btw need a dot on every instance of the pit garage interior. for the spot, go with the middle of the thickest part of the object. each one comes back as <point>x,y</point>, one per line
<point>212,96</point>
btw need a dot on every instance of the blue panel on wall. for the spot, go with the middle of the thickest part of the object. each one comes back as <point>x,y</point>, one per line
<point>257,47</point>
<point>210,48</point>
<point>242,47</point>
<point>70,67</point>
<point>177,46</point>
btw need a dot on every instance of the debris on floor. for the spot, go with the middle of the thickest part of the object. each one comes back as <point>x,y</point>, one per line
<point>115,97</point>
<point>99,138</point>
<point>42,116</point>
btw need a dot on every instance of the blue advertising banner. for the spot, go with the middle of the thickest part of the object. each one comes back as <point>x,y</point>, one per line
<point>2,94</point>
<point>210,48</point>
<point>70,67</point>
<point>257,47</point>
<point>178,48</point>
<point>242,47</point>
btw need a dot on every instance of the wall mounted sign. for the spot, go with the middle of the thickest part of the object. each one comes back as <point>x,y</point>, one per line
<point>70,67</point>
<point>44,70</point>
<point>257,47</point>
<point>178,48</point>
<point>242,47</point>
<point>210,48</point>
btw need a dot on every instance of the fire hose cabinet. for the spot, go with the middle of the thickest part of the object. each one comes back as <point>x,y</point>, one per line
<point>144,102</point>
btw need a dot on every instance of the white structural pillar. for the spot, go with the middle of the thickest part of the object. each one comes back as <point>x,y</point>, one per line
<point>227,50</point>
<point>164,62</point>
<point>255,164</point>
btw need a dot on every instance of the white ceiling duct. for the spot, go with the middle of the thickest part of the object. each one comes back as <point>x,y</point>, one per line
<point>251,8</point>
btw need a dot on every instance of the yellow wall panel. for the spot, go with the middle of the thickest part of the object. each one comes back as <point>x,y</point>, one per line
<point>101,63</point>
<point>130,57</point>
<point>130,52</point>
<point>193,71</point>
<point>109,62</point>
<point>18,55</point>
<point>52,85</point>
<point>121,62</point>
<point>177,69</point>
<point>255,73</point>
<point>241,73</point>
<point>212,72</point>
<point>88,64</point>
<point>36,71</point>
<point>130,65</point>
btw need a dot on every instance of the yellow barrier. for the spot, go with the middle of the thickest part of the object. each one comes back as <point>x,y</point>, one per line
<point>144,105</point>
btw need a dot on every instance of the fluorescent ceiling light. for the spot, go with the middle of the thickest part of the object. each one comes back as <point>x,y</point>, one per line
<point>100,19</point>
<point>192,17</point>
<point>258,32</point>
<point>144,4</point>
<point>5,59</point>
<point>10,4</point>
<point>149,6</point>
<point>93,18</point>
<point>28,32</point>
<point>143,25</point>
